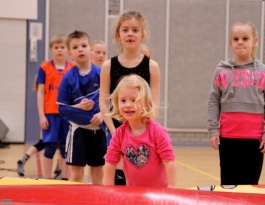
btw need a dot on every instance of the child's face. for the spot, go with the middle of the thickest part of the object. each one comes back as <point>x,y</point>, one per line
<point>130,33</point>
<point>128,108</point>
<point>242,42</point>
<point>59,51</point>
<point>98,54</point>
<point>79,50</point>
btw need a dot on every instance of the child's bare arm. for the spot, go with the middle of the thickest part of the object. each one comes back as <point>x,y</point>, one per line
<point>44,124</point>
<point>109,173</point>
<point>155,83</point>
<point>171,170</point>
<point>104,95</point>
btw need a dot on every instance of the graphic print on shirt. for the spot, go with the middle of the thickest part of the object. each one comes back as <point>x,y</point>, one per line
<point>137,157</point>
<point>244,78</point>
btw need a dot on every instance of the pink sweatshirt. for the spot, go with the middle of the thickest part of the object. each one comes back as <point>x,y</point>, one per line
<point>143,155</point>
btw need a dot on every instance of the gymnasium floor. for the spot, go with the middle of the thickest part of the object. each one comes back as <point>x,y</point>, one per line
<point>197,165</point>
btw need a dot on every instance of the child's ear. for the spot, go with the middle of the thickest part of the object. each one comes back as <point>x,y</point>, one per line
<point>143,35</point>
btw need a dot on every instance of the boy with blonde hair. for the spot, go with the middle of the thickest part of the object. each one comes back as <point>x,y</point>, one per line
<point>54,127</point>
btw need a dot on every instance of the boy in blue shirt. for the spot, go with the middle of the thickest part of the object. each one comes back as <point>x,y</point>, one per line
<point>78,103</point>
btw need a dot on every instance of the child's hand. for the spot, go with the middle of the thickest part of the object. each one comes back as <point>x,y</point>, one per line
<point>44,124</point>
<point>262,146</point>
<point>86,104</point>
<point>97,119</point>
<point>215,141</point>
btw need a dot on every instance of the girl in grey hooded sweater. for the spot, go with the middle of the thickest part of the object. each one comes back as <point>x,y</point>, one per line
<point>236,109</point>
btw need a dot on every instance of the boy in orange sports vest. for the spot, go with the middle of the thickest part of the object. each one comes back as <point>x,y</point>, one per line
<point>54,127</point>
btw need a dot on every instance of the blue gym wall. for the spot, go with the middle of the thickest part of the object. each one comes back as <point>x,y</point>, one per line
<point>32,131</point>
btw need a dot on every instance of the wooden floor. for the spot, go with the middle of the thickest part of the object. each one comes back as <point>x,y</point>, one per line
<point>197,166</point>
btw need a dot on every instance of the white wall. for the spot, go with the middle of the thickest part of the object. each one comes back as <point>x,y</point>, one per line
<point>19,9</point>
<point>13,40</point>
<point>13,77</point>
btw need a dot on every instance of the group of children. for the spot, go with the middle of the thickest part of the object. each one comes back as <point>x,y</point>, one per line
<point>73,97</point>
<point>89,98</point>
<point>98,54</point>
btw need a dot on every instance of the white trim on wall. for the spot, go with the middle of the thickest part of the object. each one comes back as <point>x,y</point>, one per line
<point>121,5</point>
<point>47,30</point>
<point>19,9</point>
<point>107,20</point>
<point>106,25</point>
<point>227,16</point>
<point>166,60</point>
<point>261,36</point>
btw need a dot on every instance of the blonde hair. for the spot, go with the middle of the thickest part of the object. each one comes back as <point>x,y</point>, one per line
<point>144,96</point>
<point>253,31</point>
<point>77,34</point>
<point>126,15</point>
<point>58,38</point>
<point>95,42</point>
<point>146,49</point>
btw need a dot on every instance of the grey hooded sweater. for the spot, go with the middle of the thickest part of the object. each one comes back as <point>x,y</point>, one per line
<point>236,88</point>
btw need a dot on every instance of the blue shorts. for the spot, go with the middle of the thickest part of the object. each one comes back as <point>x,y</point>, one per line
<point>86,147</point>
<point>50,149</point>
<point>58,129</point>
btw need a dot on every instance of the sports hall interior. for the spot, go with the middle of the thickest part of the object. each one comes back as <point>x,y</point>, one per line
<point>187,38</point>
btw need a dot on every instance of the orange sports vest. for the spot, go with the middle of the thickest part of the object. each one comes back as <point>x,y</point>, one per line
<point>53,78</point>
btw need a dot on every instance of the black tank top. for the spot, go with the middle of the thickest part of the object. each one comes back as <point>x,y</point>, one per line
<point>117,71</point>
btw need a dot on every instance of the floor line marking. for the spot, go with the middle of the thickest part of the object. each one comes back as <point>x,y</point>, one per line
<point>197,170</point>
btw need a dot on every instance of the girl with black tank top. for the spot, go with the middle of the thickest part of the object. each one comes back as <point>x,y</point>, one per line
<point>130,31</point>
<point>117,71</point>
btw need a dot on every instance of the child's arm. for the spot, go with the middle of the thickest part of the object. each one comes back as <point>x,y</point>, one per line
<point>44,124</point>
<point>85,104</point>
<point>214,107</point>
<point>109,174</point>
<point>155,83</point>
<point>104,95</point>
<point>80,111</point>
<point>171,170</point>
<point>112,158</point>
<point>97,119</point>
<point>76,115</point>
<point>166,152</point>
